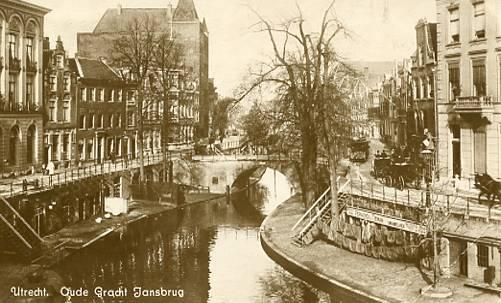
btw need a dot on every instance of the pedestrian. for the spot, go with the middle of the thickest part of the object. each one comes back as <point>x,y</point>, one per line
<point>51,168</point>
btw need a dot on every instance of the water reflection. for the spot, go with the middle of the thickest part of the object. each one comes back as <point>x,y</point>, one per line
<point>211,251</point>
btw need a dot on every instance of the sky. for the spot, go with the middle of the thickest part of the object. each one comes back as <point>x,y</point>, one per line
<point>381,30</point>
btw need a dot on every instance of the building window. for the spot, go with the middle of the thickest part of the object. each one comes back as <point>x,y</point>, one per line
<point>52,83</point>
<point>29,90</point>
<point>479,19</point>
<point>100,121</point>
<point>90,94</point>
<point>83,96</point>
<point>60,61</point>
<point>130,119</point>
<point>81,123</point>
<point>67,83</point>
<point>99,94</point>
<point>66,142</point>
<point>108,95</point>
<point>93,121</point>
<point>482,255</point>
<point>479,83</point>
<point>13,53</point>
<point>12,90</point>
<point>90,149</point>
<point>66,111</point>
<point>29,49</point>
<point>110,121</point>
<point>454,82</point>
<point>454,25</point>
<point>52,111</point>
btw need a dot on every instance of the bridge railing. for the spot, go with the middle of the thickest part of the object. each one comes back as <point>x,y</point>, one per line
<point>40,181</point>
<point>441,198</point>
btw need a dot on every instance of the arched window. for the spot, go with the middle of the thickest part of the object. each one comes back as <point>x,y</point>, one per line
<point>30,144</point>
<point>14,141</point>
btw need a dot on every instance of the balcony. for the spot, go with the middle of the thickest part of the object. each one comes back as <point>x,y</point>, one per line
<point>11,107</point>
<point>14,64</point>
<point>474,104</point>
<point>31,67</point>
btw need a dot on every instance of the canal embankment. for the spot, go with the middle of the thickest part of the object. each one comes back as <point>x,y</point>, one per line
<point>83,234</point>
<point>346,276</point>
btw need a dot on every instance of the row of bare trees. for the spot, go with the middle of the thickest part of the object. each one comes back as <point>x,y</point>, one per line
<point>312,86</point>
<point>146,55</point>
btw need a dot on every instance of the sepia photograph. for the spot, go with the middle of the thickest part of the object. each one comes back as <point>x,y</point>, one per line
<point>250,151</point>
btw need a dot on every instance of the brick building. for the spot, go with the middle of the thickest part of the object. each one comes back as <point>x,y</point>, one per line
<point>182,23</point>
<point>102,101</point>
<point>468,87</point>
<point>21,125</point>
<point>60,123</point>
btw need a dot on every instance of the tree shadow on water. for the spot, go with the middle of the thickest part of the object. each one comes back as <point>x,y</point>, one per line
<point>278,286</point>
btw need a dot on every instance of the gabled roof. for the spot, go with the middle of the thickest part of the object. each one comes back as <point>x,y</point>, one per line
<point>95,69</point>
<point>118,20</point>
<point>185,11</point>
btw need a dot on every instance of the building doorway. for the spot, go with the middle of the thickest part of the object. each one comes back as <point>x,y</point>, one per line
<point>30,144</point>
<point>463,258</point>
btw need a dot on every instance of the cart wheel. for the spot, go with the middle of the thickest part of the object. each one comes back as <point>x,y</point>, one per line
<point>400,183</point>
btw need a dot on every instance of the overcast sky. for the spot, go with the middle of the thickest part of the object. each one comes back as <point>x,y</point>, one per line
<point>383,30</point>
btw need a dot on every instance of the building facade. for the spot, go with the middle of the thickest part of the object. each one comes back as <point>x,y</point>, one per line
<point>421,115</point>
<point>184,26</point>
<point>21,82</point>
<point>468,87</point>
<point>102,100</point>
<point>60,108</point>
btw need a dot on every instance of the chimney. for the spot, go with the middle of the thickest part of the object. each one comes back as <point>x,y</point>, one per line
<point>119,9</point>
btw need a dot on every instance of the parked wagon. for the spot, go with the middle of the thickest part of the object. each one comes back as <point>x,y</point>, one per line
<point>404,175</point>
<point>359,150</point>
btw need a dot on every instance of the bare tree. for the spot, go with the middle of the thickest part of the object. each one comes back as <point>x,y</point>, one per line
<point>133,53</point>
<point>299,72</point>
<point>168,60</point>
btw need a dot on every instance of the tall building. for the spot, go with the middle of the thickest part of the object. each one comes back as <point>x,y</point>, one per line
<point>60,123</point>
<point>182,23</point>
<point>421,115</point>
<point>468,87</point>
<point>21,82</point>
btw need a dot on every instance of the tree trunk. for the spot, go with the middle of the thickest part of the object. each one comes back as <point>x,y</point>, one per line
<point>309,168</point>
<point>333,182</point>
<point>140,136</point>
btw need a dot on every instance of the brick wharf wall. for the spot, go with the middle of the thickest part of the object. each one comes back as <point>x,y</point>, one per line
<point>375,240</point>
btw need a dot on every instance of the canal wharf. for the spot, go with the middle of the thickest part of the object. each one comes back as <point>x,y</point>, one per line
<point>350,277</point>
<point>70,239</point>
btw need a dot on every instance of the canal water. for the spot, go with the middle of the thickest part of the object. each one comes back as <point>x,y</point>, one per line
<point>208,252</point>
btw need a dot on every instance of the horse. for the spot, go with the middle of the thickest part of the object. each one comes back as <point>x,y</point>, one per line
<point>488,187</point>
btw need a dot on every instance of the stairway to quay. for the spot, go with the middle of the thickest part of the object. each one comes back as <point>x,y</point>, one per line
<point>381,250</point>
